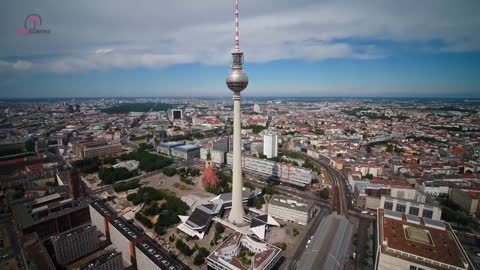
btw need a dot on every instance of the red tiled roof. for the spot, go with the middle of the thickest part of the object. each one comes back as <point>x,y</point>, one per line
<point>209,177</point>
<point>444,248</point>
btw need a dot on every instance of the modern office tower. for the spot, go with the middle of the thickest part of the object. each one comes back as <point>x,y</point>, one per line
<point>75,243</point>
<point>270,145</point>
<point>177,114</point>
<point>237,81</point>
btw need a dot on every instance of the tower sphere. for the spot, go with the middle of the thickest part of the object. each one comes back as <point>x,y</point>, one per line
<point>237,80</point>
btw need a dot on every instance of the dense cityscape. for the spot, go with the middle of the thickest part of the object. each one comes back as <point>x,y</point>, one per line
<point>113,183</point>
<point>355,147</point>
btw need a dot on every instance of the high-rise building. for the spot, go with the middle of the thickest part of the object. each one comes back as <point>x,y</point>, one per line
<point>270,145</point>
<point>177,114</point>
<point>100,215</point>
<point>75,243</point>
<point>256,108</point>
<point>124,236</point>
<point>237,81</point>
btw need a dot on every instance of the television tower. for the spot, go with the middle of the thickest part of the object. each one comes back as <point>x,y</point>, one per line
<point>237,81</point>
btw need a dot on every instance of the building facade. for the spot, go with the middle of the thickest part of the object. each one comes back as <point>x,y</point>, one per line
<point>289,209</point>
<point>216,156</point>
<point>270,145</point>
<point>166,147</point>
<point>124,236</point>
<point>100,148</point>
<point>186,152</point>
<point>100,215</point>
<point>280,171</point>
<point>467,200</point>
<point>75,243</point>
<point>411,207</point>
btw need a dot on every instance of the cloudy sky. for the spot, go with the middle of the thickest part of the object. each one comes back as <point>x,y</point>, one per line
<point>428,48</point>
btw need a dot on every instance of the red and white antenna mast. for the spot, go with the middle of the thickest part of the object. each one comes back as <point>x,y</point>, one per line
<point>237,39</point>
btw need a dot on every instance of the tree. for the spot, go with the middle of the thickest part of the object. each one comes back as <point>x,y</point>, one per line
<point>152,209</point>
<point>144,220</point>
<point>200,257</point>
<point>259,201</point>
<point>184,248</point>
<point>169,171</point>
<point>124,186</point>
<point>52,184</point>
<point>249,185</point>
<point>389,148</point>
<point>270,190</point>
<point>325,193</point>
<point>112,175</point>
<point>219,228</point>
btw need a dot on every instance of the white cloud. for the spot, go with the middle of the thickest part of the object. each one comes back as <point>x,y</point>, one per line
<point>92,35</point>
<point>22,65</point>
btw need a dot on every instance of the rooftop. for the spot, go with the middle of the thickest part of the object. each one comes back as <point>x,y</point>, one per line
<point>187,147</point>
<point>103,209</point>
<point>74,231</point>
<point>171,144</point>
<point>100,260</point>
<point>128,230</point>
<point>158,255</point>
<point>288,202</point>
<point>329,244</point>
<point>421,237</point>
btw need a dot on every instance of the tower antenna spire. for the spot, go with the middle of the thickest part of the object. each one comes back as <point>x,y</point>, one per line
<point>237,38</point>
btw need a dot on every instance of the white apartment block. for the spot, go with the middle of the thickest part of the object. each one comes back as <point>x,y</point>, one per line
<point>270,145</point>
<point>286,173</point>
<point>289,209</point>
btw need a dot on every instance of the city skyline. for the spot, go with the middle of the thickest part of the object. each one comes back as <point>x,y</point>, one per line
<point>311,49</point>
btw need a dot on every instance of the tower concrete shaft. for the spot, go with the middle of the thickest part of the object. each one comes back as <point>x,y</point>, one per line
<point>237,81</point>
<point>236,213</point>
